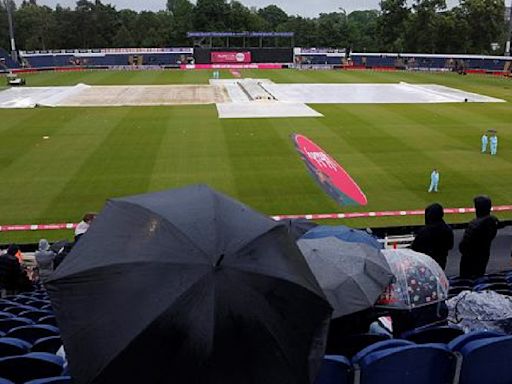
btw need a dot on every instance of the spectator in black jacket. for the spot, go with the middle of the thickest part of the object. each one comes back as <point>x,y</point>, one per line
<point>436,238</point>
<point>475,246</point>
<point>13,278</point>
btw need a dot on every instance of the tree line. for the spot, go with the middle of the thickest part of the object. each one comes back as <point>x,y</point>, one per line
<point>425,26</point>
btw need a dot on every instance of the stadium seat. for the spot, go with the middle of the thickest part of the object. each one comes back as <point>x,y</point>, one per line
<point>350,345</point>
<point>31,333</point>
<point>50,319</point>
<point>11,347</point>
<point>34,365</point>
<point>335,370</point>
<point>6,304</point>
<point>442,334</point>
<point>460,341</point>
<point>49,344</point>
<point>34,315</point>
<point>6,315</point>
<point>38,303</point>
<point>490,279</point>
<point>47,307</point>
<point>9,323</point>
<point>380,346</point>
<point>51,380</point>
<point>16,310</point>
<point>487,361</point>
<point>454,291</point>
<point>414,364</point>
<point>458,282</point>
<point>491,287</point>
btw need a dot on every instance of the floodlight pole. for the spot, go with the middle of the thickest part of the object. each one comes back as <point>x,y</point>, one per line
<point>14,53</point>
<point>509,32</point>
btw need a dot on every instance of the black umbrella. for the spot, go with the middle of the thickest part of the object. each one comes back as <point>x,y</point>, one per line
<point>298,227</point>
<point>352,275</point>
<point>188,286</point>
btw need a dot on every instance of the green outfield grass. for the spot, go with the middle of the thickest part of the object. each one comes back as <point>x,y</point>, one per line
<point>97,153</point>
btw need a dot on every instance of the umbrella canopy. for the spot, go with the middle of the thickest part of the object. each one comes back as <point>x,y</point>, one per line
<point>298,227</point>
<point>352,275</point>
<point>344,233</point>
<point>188,286</point>
<point>419,280</point>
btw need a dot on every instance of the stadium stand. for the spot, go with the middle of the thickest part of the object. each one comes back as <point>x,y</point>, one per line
<point>105,57</point>
<point>6,61</point>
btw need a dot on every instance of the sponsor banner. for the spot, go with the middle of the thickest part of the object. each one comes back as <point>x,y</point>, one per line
<point>328,174</point>
<point>230,57</point>
<point>310,216</point>
<point>231,66</point>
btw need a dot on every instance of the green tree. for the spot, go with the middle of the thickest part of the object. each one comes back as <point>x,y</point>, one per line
<point>451,33</point>
<point>487,23</point>
<point>123,38</point>
<point>392,24</point>
<point>423,25</point>
<point>362,26</point>
<point>211,15</point>
<point>182,16</point>
<point>273,15</point>
<point>35,26</point>
<point>333,30</point>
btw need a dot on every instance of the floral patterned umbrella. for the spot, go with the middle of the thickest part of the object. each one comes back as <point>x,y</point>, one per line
<point>419,280</point>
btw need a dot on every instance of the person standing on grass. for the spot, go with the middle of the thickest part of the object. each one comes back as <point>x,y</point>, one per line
<point>475,246</point>
<point>485,140</point>
<point>434,181</point>
<point>494,144</point>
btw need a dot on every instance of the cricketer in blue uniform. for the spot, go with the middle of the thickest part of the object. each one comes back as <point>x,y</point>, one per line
<point>485,140</point>
<point>494,144</point>
<point>434,181</point>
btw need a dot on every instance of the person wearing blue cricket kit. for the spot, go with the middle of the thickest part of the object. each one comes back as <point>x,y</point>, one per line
<point>494,144</point>
<point>434,180</point>
<point>485,140</point>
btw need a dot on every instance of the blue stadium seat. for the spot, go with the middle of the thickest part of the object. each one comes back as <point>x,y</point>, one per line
<point>441,334</point>
<point>6,304</point>
<point>11,347</point>
<point>459,342</point>
<point>34,365</point>
<point>7,324</point>
<point>47,307</point>
<point>491,287</point>
<point>414,364</point>
<point>487,361</point>
<point>51,380</point>
<point>34,332</point>
<point>6,315</point>
<point>34,315</point>
<point>17,309</point>
<point>38,303</point>
<point>50,319</point>
<point>335,370</point>
<point>454,291</point>
<point>348,346</point>
<point>50,344</point>
<point>380,346</point>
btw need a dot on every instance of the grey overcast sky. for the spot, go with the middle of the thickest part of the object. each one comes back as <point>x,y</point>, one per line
<point>293,7</point>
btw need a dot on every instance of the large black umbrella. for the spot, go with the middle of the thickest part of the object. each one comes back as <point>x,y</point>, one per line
<point>188,286</point>
<point>352,275</point>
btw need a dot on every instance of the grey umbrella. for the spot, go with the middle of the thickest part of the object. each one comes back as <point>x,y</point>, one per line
<point>352,275</point>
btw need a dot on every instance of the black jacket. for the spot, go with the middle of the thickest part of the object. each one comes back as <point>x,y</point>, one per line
<point>436,238</point>
<point>12,276</point>
<point>475,246</point>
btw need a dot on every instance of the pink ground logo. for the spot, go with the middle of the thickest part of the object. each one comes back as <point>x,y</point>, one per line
<point>329,175</point>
